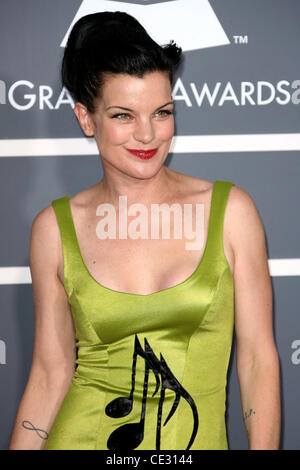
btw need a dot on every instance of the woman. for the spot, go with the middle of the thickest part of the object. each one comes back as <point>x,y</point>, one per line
<point>153,320</point>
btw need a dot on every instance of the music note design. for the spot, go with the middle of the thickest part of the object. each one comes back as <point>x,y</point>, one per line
<point>130,435</point>
<point>122,406</point>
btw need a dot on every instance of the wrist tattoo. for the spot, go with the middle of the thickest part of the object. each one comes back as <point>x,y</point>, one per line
<point>250,413</point>
<point>40,432</point>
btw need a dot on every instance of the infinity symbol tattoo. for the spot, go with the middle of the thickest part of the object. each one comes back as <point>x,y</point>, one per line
<point>32,428</point>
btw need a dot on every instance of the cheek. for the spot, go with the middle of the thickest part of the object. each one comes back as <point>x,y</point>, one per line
<point>166,131</point>
<point>112,135</point>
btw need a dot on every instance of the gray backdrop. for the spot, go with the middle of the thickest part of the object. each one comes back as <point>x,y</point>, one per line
<point>238,100</point>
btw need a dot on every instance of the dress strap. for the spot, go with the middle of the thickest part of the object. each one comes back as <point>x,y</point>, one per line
<point>216,220</point>
<point>71,258</point>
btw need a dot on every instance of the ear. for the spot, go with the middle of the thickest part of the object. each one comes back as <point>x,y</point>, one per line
<point>84,118</point>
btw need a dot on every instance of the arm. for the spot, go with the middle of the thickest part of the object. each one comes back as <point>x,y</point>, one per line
<point>54,339</point>
<point>257,358</point>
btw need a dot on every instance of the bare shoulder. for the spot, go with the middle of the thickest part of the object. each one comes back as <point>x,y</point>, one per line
<point>240,198</point>
<point>44,220</point>
<point>45,238</point>
<point>45,233</point>
<point>243,223</point>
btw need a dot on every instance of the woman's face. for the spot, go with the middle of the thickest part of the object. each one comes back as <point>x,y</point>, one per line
<point>132,113</point>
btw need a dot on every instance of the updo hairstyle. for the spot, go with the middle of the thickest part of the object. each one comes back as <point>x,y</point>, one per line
<point>111,43</point>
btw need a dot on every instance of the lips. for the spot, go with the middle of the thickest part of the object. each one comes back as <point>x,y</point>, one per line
<point>144,154</point>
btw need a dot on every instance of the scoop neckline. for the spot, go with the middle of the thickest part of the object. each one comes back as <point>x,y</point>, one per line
<point>152,294</point>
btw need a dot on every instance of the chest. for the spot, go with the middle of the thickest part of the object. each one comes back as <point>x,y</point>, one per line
<point>143,265</point>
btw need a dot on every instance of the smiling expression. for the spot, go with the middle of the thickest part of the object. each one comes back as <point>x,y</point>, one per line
<point>133,122</point>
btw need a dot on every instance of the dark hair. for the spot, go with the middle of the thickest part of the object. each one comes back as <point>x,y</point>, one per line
<point>111,42</point>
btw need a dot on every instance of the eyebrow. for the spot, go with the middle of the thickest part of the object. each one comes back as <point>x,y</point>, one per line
<point>131,110</point>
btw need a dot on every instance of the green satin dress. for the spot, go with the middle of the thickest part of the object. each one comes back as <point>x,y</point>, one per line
<point>151,369</point>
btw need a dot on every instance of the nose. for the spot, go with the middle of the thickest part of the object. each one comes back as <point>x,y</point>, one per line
<point>144,131</point>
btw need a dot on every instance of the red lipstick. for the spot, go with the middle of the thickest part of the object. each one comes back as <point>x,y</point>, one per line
<point>144,154</point>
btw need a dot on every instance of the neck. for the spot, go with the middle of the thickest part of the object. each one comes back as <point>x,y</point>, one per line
<point>147,191</point>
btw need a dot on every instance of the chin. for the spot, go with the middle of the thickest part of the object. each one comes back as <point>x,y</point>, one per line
<point>144,170</point>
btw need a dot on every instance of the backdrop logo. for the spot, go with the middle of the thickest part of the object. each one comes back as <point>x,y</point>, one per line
<point>2,92</point>
<point>164,21</point>
<point>295,358</point>
<point>23,95</point>
<point>246,93</point>
<point>2,352</point>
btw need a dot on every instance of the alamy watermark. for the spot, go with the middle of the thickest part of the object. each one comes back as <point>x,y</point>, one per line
<point>139,226</point>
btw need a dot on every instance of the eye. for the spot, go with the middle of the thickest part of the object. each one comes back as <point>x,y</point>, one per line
<point>164,113</point>
<point>121,116</point>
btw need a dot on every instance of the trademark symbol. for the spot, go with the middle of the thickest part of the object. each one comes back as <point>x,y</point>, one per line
<point>238,39</point>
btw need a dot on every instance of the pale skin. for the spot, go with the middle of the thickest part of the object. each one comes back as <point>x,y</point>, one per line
<point>147,123</point>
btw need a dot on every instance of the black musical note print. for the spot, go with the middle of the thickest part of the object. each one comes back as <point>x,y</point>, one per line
<point>129,436</point>
<point>122,406</point>
<point>33,428</point>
